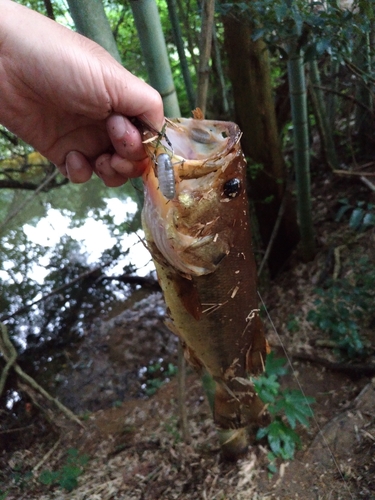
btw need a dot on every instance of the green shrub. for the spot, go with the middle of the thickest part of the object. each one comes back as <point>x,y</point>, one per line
<point>361,215</point>
<point>287,407</point>
<point>156,374</point>
<point>342,308</point>
<point>67,476</point>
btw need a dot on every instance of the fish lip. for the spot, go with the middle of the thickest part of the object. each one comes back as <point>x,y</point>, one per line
<point>196,147</point>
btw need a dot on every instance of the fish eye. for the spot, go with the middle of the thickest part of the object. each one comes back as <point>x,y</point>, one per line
<point>232,188</point>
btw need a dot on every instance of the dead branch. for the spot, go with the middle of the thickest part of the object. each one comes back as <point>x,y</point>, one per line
<point>342,95</point>
<point>368,183</point>
<point>336,269</point>
<point>181,376</point>
<point>274,232</point>
<point>354,370</point>
<point>11,360</point>
<point>28,200</point>
<point>355,173</point>
<point>9,352</point>
<point>128,279</point>
<point>28,186</point>
<point>17,429</point>
<point>46,456</point>
<point>54,292</point>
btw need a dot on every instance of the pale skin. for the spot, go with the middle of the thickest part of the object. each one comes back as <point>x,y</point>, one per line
<point>68,98</point>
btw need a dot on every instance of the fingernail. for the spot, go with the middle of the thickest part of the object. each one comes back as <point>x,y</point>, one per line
<point>72,162</point>
<point>118,126</point>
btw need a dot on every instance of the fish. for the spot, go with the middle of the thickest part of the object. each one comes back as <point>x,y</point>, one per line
<point>197,228</point>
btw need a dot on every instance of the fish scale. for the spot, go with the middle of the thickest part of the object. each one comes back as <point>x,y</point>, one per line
<point>201,244</point>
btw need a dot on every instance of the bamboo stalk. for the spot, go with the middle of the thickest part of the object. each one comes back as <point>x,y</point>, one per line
<point>219,70</point>
<point>328,145</point>
<point>90,20</point>
<point>208,11</point>
<point>177,35</point>
<point>150,32</point>
<point>298,99</point>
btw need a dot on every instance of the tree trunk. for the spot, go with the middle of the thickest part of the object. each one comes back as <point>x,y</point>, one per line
<point>173,16</point>
<point>208,11</point>
<point>298,101</point>
<point>332,97</point>
<point>184,8</point>
<point>90,20</point>
<point>255,113</point>
<point>147,21</point>
<point>321,117</point>
<point>364,92</point>
<point>218,69</point>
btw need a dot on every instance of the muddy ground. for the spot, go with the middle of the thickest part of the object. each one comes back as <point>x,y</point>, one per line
<point>133,439</point>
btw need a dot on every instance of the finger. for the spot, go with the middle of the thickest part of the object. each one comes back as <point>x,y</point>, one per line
<point>104,170</point>
<point>125,138</point>
<point>62,170</point>
<point>140,100</point>
<point>77,167</point>
<point>129,168</point>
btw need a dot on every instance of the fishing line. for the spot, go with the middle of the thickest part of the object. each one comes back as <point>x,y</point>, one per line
<point>320,431</point>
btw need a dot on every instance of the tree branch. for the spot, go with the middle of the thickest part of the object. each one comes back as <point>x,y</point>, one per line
<point>11,359</point>
<point>17,210</point>
<point>10,354</point>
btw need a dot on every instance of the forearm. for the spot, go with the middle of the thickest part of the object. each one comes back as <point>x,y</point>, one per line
<point>13,17</point>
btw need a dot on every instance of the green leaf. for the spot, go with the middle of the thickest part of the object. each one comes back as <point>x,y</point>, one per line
<point>68,483</point>
<point>257,34</point>
<point>369,220</point>
<point>267,388</point>
<point>48,477</point>
<point>356,218</point>
<point>275,366</point>
<point>296,407</point>
<point>280,11</point>
<point>342,210</point>
<point>281,439</point>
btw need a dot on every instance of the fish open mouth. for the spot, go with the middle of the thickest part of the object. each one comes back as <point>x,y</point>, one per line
<point>200,139</point>
<point>197,170</point>
<point>190,149</point>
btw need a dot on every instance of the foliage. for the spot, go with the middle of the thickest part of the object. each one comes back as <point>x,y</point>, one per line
<point>156,374</point>
<point>362,214</point>
<point>343,306</point>
<point>320,27</point>
<point>287,408</point>
<point>171,426</point>
<point>66,477</point>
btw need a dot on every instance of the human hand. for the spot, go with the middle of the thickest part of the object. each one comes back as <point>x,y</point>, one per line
<point>69,99</point>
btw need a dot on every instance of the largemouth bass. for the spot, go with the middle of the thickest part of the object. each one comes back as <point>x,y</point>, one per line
<point>197,228</point>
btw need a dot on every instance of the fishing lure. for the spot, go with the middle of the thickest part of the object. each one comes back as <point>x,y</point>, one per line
<point>166,175</point>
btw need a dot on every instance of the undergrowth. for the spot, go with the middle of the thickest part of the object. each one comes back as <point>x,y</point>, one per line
<point>287,408</point>
<point>343,306</point>
<point>67,476</point>
<point>157,374</point>
<point>361,215</point>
